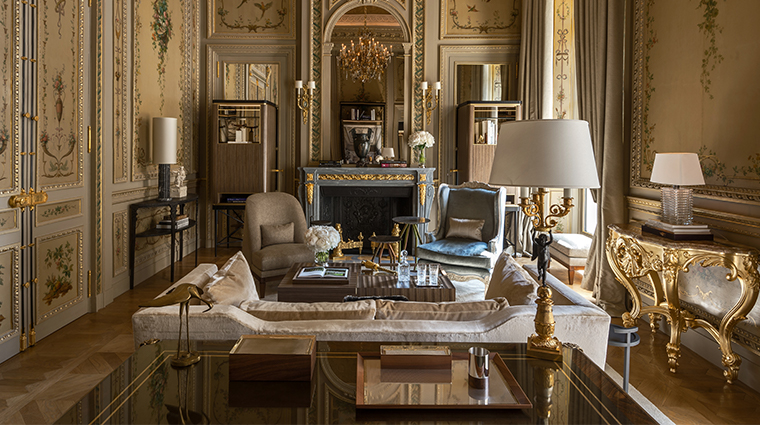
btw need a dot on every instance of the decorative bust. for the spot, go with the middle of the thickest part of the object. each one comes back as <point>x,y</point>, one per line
<point>179,180</point>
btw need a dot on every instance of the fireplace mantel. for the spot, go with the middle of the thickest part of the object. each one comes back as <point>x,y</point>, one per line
<point>415,185</point>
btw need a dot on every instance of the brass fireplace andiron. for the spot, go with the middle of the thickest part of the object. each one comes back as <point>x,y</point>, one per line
<point>182,294</point>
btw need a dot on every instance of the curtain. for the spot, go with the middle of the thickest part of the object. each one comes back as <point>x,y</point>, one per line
<point>599,46</point>
<point>534,82</point>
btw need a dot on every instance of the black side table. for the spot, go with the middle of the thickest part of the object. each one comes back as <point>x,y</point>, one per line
<point>235,213</point>
<point>154,203</point>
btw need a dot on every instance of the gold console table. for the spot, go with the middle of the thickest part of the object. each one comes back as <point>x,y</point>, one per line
<point>632,255</point>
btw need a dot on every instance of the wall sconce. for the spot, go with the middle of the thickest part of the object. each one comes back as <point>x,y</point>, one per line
<point>428,102</point>
<point>304,98</point>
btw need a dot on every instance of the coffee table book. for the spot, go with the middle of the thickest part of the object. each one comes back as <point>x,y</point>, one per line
<point>677,236</point>
<point>326,279</point>
<point>415,357</point>
<point>273,358</point>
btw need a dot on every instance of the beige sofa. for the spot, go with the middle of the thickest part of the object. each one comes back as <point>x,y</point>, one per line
<point>577,320</point>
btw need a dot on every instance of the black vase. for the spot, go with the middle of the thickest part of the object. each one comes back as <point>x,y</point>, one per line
<point>362,143</point>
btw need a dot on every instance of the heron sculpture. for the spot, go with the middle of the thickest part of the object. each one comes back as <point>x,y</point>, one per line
<point>182,294</point>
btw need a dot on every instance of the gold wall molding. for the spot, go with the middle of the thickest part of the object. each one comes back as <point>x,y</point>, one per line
<point>366,177</point>
<point>729,222</point>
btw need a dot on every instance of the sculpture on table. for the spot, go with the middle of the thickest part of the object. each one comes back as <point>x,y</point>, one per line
<point>182,294</point>
<point>178,189</point>
<point>541,251</point>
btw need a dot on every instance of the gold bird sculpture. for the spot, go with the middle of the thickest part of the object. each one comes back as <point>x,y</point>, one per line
<point>376,267</point>
<point>182,294</point>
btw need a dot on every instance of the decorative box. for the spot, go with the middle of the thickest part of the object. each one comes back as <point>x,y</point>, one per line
<point>178,192</point>
<point>273,358</point>
<point>415,357</point>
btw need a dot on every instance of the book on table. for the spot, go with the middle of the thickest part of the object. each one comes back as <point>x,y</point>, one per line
<point>323,272</point>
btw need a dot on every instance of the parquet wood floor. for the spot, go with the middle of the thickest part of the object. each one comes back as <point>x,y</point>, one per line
<point>40,384</point>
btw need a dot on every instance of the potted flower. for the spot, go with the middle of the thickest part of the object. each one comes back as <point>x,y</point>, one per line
<point>418,141</point>
<point>321,239</point>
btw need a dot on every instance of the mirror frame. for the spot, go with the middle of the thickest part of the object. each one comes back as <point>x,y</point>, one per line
<point>451,57</point>
<point>284,56</point>
<point>321,52</point>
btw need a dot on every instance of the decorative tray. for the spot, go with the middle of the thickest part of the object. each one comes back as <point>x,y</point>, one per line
<point>382,388</point>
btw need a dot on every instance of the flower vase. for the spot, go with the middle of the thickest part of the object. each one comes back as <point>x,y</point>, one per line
<point>321,258</point>
<point>420,157</point>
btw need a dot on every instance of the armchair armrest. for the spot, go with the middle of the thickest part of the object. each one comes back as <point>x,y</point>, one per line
<point>495,245</point>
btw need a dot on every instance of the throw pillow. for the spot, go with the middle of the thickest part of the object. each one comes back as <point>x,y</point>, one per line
<point>276,234</point>
<point>465,228</point>
<point>451,311</point>
<point>278,311</point>
<point>233,283</point>
<point>511,281</point>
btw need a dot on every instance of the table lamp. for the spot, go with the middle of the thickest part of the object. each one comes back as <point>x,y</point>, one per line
<point>676,170</point>
<point>544,153</point>
<point>388,153</point>
<point>164,153</point>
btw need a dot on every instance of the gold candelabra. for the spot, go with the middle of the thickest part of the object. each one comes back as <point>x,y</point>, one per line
<point>543,344</point>
<point>430,101</point>
<point>304,98</point>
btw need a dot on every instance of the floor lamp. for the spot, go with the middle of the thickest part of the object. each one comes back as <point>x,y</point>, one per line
<point>544,154</point>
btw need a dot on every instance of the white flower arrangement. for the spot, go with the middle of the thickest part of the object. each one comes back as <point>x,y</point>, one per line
<point>421,140</point>
<point>322,238</point>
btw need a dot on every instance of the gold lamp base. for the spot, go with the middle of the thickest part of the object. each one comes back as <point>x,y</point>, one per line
<point>185,359</point>
<point>543,344</point>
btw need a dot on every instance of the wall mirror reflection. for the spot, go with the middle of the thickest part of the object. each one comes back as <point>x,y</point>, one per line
<point>251,81</point>
<point>486,82</point>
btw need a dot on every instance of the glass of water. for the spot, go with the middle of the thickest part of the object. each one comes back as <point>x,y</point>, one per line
<point>433,274</point>
<point>421,274</point>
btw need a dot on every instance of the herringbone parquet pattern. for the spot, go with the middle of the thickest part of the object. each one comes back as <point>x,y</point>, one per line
<point>40,384</point>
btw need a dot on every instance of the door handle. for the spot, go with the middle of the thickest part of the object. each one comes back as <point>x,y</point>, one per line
<point>23,199</point>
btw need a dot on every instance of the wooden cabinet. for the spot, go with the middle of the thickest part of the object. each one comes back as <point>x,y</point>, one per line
<point>244,150</point>
<point>477,134</point>
<point>361,117</point>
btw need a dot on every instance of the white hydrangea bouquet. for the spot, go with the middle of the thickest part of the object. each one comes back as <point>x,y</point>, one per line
<point>418,141</point>
<point>321,239</point>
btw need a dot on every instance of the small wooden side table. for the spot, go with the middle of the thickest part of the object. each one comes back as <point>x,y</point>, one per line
<point>633,254</point>
<point>410,225</point>
<point>235,213</point>
<point>154,232</point>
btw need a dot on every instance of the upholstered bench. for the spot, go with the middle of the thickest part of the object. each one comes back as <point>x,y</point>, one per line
<point>570,250</point>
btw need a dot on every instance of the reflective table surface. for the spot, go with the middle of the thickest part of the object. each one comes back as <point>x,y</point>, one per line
<point>147,390</point>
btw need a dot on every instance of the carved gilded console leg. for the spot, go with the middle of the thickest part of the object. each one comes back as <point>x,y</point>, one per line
<point>654,321</point>
<point>674,346</point>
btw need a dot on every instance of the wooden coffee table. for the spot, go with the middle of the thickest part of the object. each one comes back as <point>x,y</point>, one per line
<point>361,285</point>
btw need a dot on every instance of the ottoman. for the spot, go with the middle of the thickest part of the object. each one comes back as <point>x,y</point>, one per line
<point>570,250</point>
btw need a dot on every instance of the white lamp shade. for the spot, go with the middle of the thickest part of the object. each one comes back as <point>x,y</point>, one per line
<point>388,153</point>
<point>164,140</point>
<point>677,169</point>
<point>545,153</point>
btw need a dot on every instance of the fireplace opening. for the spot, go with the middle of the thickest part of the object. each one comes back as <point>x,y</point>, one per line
<point>365,209</point>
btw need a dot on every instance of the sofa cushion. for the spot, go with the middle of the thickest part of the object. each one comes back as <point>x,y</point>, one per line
<point>458,251</point>
<point>452,311</point>
<point>233,283</point>
<point>274,311</point>
<point>465,228</point>
<point>275,234</point>
<point>281,256</point>
<point>511,281</point>
<point>572,244</point>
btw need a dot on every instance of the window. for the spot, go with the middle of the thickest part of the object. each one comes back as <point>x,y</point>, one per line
<point>589,212</point>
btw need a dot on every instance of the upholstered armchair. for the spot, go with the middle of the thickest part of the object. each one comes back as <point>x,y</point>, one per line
<point>470,229</point>
<point>273,238</point>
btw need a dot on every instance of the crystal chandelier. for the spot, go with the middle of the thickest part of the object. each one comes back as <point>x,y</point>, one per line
<point>365,61</point>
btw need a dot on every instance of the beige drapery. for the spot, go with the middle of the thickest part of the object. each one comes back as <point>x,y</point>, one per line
<point>534,80</point>
<point>599,47</point>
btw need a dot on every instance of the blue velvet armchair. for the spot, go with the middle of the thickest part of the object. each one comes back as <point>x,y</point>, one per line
<point>465,256</point>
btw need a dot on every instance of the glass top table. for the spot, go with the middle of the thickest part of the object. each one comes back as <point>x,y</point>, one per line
<point>146,389</point>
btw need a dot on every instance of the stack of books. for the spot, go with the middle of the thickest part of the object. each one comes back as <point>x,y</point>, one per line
<point>678,232</point>
<point>182,221</point>
<point>391,163</point>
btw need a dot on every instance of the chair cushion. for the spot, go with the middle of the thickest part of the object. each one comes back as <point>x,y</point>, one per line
<point>281,256</point>
<point>275,234</point>
<point>571,244</point>
<point>511,281</point>
<point>278,311</point>
<point>233,283</point>
<point>457,251</point>
<point>453,311</point>
<point>465,228</point>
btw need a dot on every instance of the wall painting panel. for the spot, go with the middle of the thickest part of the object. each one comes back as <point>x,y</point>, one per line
<point>255,19</point>
<point>165,80</point>
<point>9,98</point>
<point>10,289</point>
<point>60,95</point>
<point>9,220</point>
<point>480,19</point>
<point>691,65</point>
<point>120,87</point>
<point>120,242</point>
<point>59,272</point>
<point>57,211</point>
